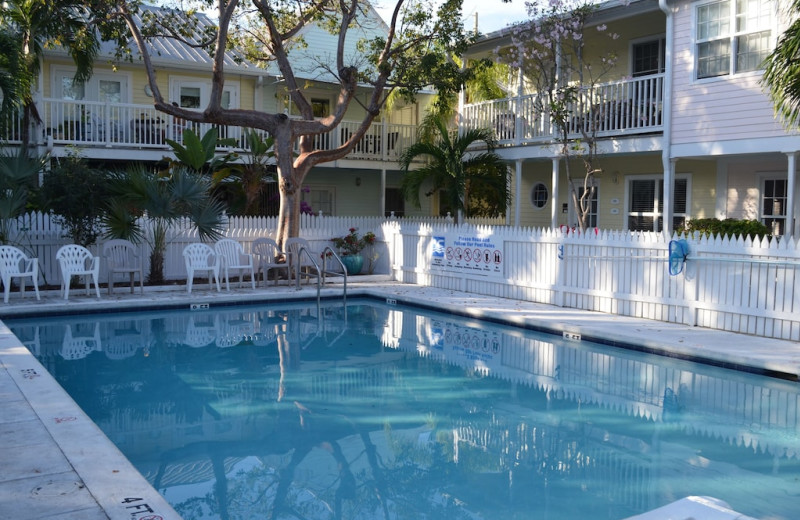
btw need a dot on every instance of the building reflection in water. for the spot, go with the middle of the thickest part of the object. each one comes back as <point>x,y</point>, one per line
<point>376,412</point>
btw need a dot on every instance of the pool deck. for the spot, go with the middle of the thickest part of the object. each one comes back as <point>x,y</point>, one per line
<point>57,464</point>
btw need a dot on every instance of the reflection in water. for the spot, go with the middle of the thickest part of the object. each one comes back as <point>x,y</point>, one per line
<point>375,412</point>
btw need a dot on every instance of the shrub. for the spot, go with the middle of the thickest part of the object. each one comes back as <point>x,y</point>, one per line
<point>729,227</point>
<point>77,195</point>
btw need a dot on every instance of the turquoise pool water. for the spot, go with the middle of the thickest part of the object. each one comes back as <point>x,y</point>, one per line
<point>379,411</point>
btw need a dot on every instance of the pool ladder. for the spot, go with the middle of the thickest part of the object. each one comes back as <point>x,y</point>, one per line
<point>320,273</point>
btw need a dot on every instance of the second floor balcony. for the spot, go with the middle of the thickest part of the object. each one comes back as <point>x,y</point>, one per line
<point>614,109</point>
<point>136,129</point>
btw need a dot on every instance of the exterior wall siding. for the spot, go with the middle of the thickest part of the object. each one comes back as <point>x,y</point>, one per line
<point>715,109</point>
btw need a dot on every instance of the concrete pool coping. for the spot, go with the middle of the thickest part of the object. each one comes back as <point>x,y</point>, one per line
<point>58,464</point>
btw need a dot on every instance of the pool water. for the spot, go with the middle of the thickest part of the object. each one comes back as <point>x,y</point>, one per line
<point>374,411</point>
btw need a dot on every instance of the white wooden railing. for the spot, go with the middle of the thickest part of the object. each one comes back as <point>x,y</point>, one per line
<point>628,106</point>
<point>121,125</point>
<point>738,285</point>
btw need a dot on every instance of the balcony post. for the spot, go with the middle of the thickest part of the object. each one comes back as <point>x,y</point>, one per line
<point>517,187</point>
<point>518,127</point>
<point>668,195</point>
<point>791,187</point>
<point>554,196</point>
<point>384,138</point>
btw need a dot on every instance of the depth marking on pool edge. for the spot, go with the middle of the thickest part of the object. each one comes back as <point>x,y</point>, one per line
<point>198,306</point>
<point>391,301</point>
<point>574,336</point>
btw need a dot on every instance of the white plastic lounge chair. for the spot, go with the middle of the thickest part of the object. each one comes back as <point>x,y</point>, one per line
<point>15,264</point>
<point>267,253</point>
<point>200,257</point>
<point>122,256</point>
<point>232,257</point>
<point>76,260</point>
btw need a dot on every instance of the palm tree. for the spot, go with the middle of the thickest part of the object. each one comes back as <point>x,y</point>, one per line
<point>474,183</point>
<point>782,71</point>
<point>19,174</point>
<point>36,24</point>
<point>9,69</point>
<point>161,199</point>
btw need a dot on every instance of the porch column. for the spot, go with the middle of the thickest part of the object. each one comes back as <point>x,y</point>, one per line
<point>462,96</point>
<point>517,190</point>
<point>791,187</point>
<point>554,196</point>
<point>383,191</point>
<point>667,195</point>
<point>518,119</point>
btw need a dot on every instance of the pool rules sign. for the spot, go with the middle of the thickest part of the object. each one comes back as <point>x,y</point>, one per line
<point>467,254</point>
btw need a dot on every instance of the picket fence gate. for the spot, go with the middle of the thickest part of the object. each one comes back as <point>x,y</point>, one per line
<point>734,284</point>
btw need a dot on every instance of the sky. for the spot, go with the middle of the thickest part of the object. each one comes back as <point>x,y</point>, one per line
<point>492,14</point>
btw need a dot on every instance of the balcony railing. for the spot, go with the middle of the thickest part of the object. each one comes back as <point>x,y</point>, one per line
<point>631,106</point>
<point>126,126</point>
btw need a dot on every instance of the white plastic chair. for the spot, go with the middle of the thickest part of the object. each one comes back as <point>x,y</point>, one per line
<point>231,256</point>
<point>298,262</point>
<point>15,264</point>
<point>200,257</point>
<point>78,347</point>
<point>267,254</point>
<point>199,335</point>
<point>122,256</point>
<point>76,260</point>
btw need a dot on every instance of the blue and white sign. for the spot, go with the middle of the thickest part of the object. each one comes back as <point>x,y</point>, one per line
<point>468,254</point>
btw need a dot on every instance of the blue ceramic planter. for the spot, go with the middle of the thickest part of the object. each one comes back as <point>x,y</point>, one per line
<point>353,263</point>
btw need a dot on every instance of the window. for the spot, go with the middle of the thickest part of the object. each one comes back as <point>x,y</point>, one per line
<point>321,107</point>
<point>71,90</point>
<point>773,205</point>
<point>109,91</point>
<point>732,36</point>
<point>395,203</point>
<point>646,203</point>
<point>320,199</point>
<point>102,86</point>
<point>648,57</point>
<point>190,97</point>
<point>195,95</point>
<point>539,195</point>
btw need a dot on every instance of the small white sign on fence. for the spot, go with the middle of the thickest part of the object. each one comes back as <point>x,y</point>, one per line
<point>467,253</point>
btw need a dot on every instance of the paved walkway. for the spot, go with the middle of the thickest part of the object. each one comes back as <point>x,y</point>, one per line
<point>58,464</point>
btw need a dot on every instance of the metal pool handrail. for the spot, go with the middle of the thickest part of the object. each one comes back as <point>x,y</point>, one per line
<point>320,272</point>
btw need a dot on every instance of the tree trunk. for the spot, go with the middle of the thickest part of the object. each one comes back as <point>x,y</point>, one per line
<point>289,212</point>
<point>156,275</point>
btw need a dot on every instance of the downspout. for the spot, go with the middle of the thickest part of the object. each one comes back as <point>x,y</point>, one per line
<point>666,143</point>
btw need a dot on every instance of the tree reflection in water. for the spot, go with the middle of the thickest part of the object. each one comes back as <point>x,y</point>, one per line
<point>372,412</point>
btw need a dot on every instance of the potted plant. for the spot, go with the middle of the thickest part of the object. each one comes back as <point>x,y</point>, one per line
<point>350,247</point>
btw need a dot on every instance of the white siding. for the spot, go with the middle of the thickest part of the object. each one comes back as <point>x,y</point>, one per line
<point>320,47</point>
<point>718,109</point>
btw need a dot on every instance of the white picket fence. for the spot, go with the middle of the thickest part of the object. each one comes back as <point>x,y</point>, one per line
<point>736,285</point>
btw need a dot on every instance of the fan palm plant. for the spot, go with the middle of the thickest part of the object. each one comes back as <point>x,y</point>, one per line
<point>474,182</point>
<point>18,176</point>
<point>160,200</point>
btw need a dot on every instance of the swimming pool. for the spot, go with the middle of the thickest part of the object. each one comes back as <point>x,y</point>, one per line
<point>388,412</point>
